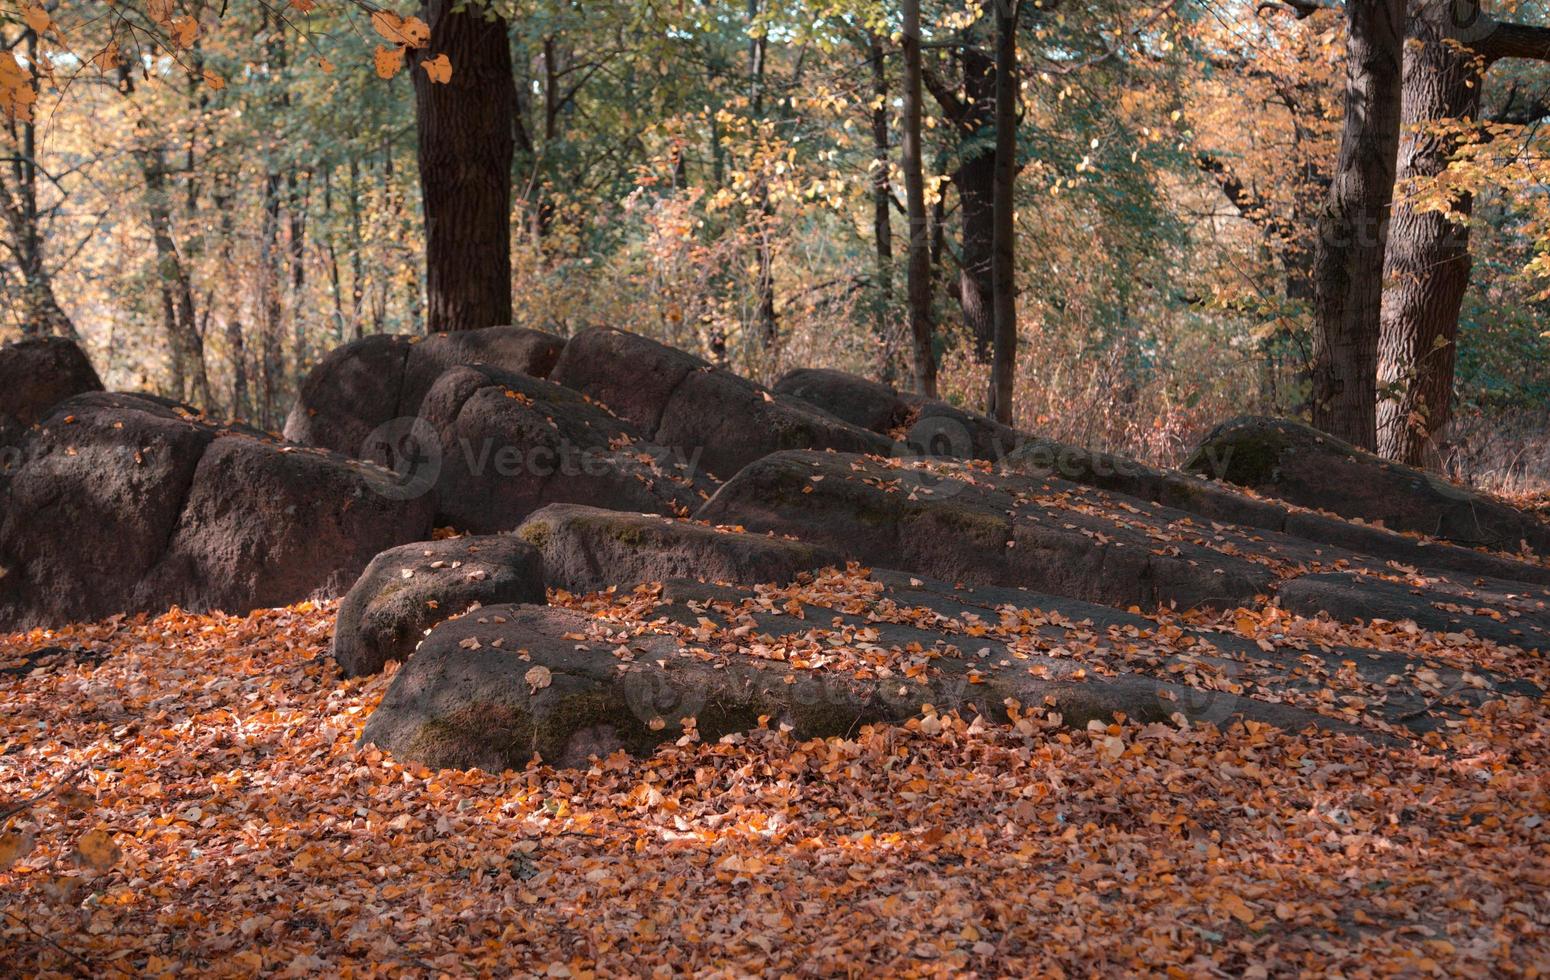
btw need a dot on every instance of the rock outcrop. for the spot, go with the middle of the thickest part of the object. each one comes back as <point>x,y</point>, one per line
<point>1296,462</point>
<point>407,590</point>
<point>1217,501</point>
<point>587,549</point>
<point>498,446</point>
<point>125,503</point>
<point>35,375</point>
<point>678,400</point>
<point>961,524</point>
<point>367,383</point>
<point>926,426</point>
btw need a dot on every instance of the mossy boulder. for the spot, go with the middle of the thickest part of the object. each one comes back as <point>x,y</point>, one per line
<point>1297,463</point>
<point>959,523</point>
<point>586,549</point>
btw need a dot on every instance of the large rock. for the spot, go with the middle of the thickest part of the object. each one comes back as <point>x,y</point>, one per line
<point>126,503</point>
<point>407,590</point>
<point>928,426</point>
<point>678,400</point>
<point>1503,612</point>
<point>857,400</point>
<point>38,373</point>
<point>1194,494</point>
<point>964,525</point>
<point>367,383</point>
<point>496,688</point>
<point>497,446</point>
<point>587,549</point>
<point>1293,461</point>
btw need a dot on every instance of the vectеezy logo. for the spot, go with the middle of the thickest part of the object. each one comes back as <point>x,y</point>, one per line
<point>409,450</point>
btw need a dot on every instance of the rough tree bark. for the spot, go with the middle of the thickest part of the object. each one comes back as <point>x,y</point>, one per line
<point>882,202</point>
<point>1353,228</point>
<point>758,48</point>
<point>1452,44</point>
<point>465,150</point>
<point>41,313</point>
<point>1004,273</point>
<point>921,332</point>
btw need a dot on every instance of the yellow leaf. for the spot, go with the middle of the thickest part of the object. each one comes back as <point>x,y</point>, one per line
<point>213,80</point>
<point>389,61</point>
<point>326,66</point>
<point>96,850</point>
<point>438,68</point>
<point>37,19</point>
<point>14,845</point>
<point>305,6</point>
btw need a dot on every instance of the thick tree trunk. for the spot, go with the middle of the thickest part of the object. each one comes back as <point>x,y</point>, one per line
<point>975,179</point>
<point>1428,264</point>
<point>921,332</point>
<point>1004,272</point>
<point>882,203</point>
<point>465,148</point>
<point>42,315</point>
<point>1353,229</point>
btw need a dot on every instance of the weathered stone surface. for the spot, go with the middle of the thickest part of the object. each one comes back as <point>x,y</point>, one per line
<point>991,531</point>
<point>496,688</point>
<point>587,549</point>
<point>1221,502</point>
<point>38,373</point>
<point>407,590</point>
<point>366,383</point>
<point>709,414</point>
<point>500,445</point>
<point>1503,612</point>
<point>859,401</point>
<point>127,502</point>
<point>517,350</point>
<point>939,429</point>
<point>352,391</point>
<point>931,427</point>
<point>1298,463</point>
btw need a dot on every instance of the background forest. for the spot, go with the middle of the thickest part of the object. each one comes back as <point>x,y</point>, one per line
<point>211,197</point>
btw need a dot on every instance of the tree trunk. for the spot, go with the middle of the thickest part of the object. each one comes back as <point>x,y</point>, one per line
<point>758,49</point>
<point>465,149</point>
<point>915,198</point>
<point>42,315</point>
<point>270,310</point>
<point>975,180</point>
<point>1428,264</point>
<point>882,203</point>
<point>1353,228</point>
<point>1004,273</point>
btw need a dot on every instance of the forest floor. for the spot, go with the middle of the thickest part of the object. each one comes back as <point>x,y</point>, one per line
<point>187,795</point>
